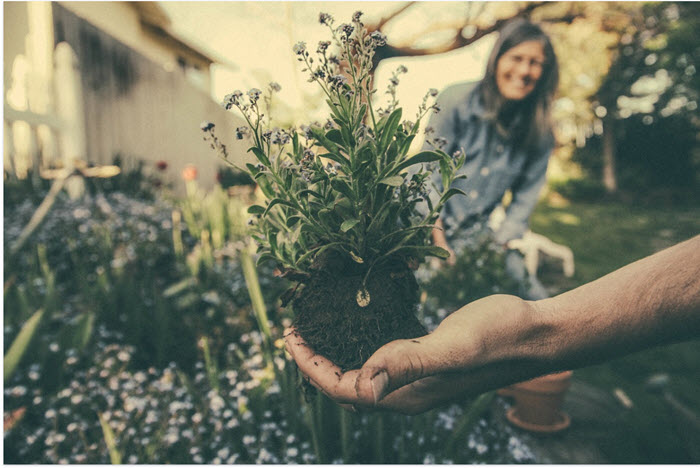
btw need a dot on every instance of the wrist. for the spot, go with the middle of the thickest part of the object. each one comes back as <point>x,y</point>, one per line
<point>521,338</point>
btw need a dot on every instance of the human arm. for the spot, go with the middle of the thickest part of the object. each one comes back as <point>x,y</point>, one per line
<point>502,339</point>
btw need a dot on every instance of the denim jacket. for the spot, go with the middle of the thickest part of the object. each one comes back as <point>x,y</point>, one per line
<point>493,165</point>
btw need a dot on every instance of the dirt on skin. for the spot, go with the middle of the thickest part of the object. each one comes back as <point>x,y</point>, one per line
<point>329,319</point>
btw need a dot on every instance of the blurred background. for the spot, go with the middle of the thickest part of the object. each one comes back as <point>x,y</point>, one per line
<point>135,326</point>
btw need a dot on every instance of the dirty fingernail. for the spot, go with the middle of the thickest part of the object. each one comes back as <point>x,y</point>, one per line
<point>379,384</point>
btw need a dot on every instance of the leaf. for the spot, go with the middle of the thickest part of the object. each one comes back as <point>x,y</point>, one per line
<point>114,456</point>
<point>21,342</point>
<point>406,144</point>
<point>265,257</point>
<point>427,250</point>
<point>389,129</point>
<point>252,169</point>
<point>256,209</point>
<point>450,193</point>
<point>325,142</point>
<point>361,113</point>
<point>311,192</point>
<point>265,185</point>
<point>422,157</point>
<point>278,201</point>
<point>337,158</point>
<point>335,136</point>
<point>179,287</point>
<point>83,331</point>
<point>356,257</point>
<point>393,181</point>
<point>262,157</point>
<point>342,186</point>
<point>349,224</point>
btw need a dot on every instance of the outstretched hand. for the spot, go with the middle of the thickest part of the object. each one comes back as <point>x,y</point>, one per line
<point>412,376</point>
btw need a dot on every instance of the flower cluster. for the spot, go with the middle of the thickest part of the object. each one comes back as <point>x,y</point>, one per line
<point>170,415</point>
<point>332,186</point>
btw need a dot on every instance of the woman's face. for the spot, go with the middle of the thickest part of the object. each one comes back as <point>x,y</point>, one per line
<point>519,69</point>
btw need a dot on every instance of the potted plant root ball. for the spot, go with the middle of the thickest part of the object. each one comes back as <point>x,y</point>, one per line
<point>341,217</point>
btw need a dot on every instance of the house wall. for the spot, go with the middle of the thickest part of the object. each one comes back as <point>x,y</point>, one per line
<point>15,30</point>
<point>134,108</point>
<point>121,20</point>
<point>131,105</point>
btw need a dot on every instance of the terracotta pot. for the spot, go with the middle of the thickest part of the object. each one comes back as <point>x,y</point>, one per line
<point>538,403</point>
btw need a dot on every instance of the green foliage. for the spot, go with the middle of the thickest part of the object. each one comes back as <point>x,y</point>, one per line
<point>650,97</point>
<point>20,344</point>
<point>479,271</point>
<point>349,186</point>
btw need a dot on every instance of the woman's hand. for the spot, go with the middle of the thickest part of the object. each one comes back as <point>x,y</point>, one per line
<point>439,240</point>
<point>412,376</point>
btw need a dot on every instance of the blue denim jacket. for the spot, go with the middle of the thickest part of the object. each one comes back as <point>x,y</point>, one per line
<point>493,165</point>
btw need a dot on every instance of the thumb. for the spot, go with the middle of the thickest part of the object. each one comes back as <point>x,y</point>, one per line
<point>394,365</point>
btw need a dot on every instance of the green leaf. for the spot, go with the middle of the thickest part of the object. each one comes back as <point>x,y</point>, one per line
<point>265,257</point>
<point>326,216</point>
<point>265,185</point>
<point>278,201</point>
<point>406,144</point>
<point>114,456</point>
<point>335,136</point>
<point>349,224</point>
<point>393,181</point>
<point>256,209</point>
<point>445,173</point>
<point>337,158</point>
<point>422,157</point>
<point>343,187</point>
<point>450,193</point>
<point>325,142</point>
<point>262,157</point>
<point>252,169</point>
<point>83,331</point>
<point>20,344</point>
<point>311,192</point>
<point>389,129</point>
<point>361,113</point>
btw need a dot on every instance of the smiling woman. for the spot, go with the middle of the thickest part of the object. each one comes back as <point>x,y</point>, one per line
<point>502,125</point>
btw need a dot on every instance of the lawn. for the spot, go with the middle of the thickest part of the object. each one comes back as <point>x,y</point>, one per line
<point>605,236</point>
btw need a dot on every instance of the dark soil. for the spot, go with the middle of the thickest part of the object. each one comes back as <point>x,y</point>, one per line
<point>332,323</point>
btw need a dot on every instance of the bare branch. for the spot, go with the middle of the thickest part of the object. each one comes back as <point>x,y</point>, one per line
<point>458,40</point>
<point>385,19</point>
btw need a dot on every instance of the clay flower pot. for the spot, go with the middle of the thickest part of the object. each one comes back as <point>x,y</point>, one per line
<point>538,403</point>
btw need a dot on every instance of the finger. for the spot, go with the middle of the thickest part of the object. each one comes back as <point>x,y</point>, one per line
<point>325,375</point>
<point>394,365</point>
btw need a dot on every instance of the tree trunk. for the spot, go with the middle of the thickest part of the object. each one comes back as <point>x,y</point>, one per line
<point>609,177</point>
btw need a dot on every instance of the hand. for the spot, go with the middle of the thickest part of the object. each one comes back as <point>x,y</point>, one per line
<point>439,240</point>
<point>412,376</point>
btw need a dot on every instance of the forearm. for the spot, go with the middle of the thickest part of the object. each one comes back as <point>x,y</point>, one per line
<point>650,302</point>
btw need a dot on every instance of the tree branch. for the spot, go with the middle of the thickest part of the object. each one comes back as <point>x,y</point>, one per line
<point>458,40</point>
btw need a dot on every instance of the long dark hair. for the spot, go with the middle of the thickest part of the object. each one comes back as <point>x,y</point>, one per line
<point>535,110</point>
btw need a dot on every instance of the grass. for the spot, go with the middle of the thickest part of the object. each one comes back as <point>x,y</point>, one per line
<point>605,236</point>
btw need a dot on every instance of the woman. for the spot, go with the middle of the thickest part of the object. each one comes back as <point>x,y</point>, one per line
<point>502,123</point>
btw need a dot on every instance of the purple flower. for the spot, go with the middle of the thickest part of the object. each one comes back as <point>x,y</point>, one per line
<point>299,48</point>
<point>254,94</point>
<point>378,38</point>
<point>325,18</point>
